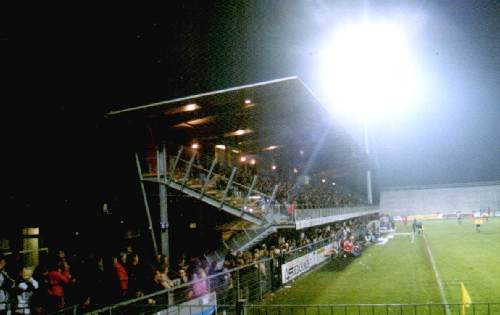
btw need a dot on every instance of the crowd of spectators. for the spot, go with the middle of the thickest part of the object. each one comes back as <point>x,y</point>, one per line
<point>60,281</point>
<point>316,193</point>
<point>314,190</point>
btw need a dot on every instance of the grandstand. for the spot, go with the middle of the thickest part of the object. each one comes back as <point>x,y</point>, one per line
<point>267,154</point>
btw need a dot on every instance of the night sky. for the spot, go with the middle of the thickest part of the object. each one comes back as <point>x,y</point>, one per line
<point>64,69</point>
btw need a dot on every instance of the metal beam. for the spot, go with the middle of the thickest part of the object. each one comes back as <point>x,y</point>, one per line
<point>211,201</point>
<point>190,165</point>
<point>207,180</point>
<point>254,181</point>
<point>146,205</point>
<point>162,190</point>
<point>229,182</point>
<point>177,158</point>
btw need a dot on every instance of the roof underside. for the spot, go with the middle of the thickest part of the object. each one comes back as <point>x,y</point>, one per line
<point>251,117</point>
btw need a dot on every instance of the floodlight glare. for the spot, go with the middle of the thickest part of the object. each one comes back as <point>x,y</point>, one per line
<point>368,70</point>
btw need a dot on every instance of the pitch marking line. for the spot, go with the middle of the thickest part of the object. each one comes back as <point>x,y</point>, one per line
<point>438,278</point>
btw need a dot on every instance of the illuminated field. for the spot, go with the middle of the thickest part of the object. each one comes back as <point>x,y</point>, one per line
<point>402,272</point>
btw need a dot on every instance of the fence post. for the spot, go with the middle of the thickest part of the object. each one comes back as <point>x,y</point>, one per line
<point>259,280</point>
<point>238,290</point>
<point>240,307</point>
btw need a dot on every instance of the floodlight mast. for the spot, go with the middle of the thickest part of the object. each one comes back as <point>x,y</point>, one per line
<point>369,196</point>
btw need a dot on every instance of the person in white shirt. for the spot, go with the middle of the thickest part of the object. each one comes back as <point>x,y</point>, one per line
<point>6,284</point>
<point>25,289</point>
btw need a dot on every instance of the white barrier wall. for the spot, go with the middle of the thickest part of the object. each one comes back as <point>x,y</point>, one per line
<point>443,198</point>
<point>302,264</point>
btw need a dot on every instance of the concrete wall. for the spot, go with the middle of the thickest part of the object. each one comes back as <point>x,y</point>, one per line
<point>444,198</point>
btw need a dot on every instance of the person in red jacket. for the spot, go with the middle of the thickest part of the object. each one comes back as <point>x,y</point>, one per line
<point>348,246</point>
<point>122,276</point>
<point>59,277</point>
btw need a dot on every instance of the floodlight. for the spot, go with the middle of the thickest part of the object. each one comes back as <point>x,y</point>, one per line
<point>368,70</point>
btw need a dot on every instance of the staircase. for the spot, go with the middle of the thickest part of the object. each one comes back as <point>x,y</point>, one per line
<point>242,241</point>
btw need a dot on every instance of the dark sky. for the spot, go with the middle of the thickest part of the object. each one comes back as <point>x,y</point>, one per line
<point>63,69</point>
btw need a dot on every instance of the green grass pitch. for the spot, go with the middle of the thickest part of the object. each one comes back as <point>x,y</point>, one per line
<point>401,272</point>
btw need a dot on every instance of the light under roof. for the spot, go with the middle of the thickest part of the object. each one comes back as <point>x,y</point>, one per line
<point>272,147</point>
<point>239,132</point>
<point>191,107</point>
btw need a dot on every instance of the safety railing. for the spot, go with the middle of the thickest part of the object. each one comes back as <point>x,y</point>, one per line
<point>311,309</point>
<point>303,250</point>
<point>307,214</point>
<point>245,238</point>
<point>212,179</point>
<point>191,170</point>
<point>250,283</point>
<point>374,309</point>
<point>241,307</point>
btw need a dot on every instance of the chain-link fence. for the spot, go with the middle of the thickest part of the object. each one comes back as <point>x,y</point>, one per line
<point>373,309</point>
<point>240,308</point>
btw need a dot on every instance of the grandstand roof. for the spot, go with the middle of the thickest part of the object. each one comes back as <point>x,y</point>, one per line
<point>251,117</point>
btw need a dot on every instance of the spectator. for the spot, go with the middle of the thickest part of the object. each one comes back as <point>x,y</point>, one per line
<point>6,284</point>
<point>200,285</point>
<point>162,277</point>
<point>58,279</point>
<point>121,277</point>
<point>136,276</point>
<point>183,276</point>
<point>26,287</point>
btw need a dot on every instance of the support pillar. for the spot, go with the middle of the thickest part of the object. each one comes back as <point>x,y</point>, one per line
<point>146,205</point>
<point>31,246</point>
<point>164,224</point>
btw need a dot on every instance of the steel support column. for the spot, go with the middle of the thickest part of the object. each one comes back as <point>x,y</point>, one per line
<point>163,194</point>
<point>369,196</point>
<point>146,205</point>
